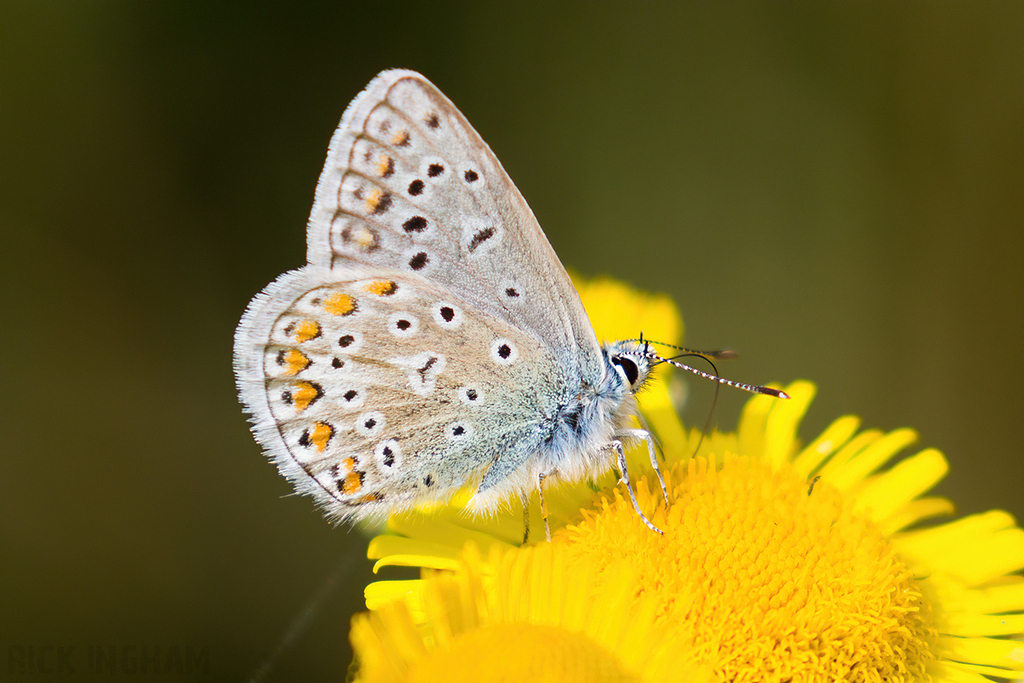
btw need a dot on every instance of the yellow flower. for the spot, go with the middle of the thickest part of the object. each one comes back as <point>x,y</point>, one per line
<point>521,617</point>
<point>780,562</point>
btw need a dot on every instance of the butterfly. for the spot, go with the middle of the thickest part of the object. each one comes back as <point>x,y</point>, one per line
<point>433,341</point>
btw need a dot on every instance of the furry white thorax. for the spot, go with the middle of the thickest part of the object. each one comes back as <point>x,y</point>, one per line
<point>579,438</point>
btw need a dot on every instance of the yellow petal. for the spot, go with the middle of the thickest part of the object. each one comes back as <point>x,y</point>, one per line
<point>871,458</point>
<point>833,438</point>
<point>1008,654</point>
<point>945,673</point>
<point>885,494</point>
<point>388,544</point>
<point>783,419</point>
<point>974,549</point>
<point>848,451</point>
<point>1005,595</point>
<point>983,624</point>
<point>913,512</point>
<point>380,593</point>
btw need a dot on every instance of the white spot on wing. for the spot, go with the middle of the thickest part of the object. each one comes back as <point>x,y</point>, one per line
<point>442,309</point>
<point>370,424</point>
<point>389,456</point>
<point>472,396</point>
<point>459,432</point>
<point>347,341</point>
<point>403,324</point>
<point>504,352</point>
<point>422,370</point>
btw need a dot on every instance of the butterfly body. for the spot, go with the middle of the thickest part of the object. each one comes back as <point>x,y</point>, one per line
<point>433,341</point>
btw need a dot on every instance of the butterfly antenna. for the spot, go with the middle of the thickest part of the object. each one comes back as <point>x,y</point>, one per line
<point>711,412</point>
<point>723,354</point>
<point>752,388</point>
<point>710,357</point>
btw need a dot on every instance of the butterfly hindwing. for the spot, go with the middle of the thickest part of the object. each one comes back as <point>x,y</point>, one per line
<point>376,390</point>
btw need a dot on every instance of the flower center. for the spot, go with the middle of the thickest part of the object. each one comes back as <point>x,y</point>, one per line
<point>519,652</point>
<point>768,578</point>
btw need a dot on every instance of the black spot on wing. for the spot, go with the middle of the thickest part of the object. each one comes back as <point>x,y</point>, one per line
<point>480,237</point>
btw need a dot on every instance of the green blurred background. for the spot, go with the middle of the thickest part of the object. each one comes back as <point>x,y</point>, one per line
<point>836,190</point>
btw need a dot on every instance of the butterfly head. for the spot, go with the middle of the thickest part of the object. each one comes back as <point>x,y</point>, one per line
<point>632,361</point>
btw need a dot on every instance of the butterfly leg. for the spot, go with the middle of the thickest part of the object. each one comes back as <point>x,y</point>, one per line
<point>645,436</point>
<point>526,516</point>
<point>617,445</point>
<point>543,504</point>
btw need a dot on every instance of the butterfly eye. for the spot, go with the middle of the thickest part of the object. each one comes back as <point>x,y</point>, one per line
<point>629,369</point>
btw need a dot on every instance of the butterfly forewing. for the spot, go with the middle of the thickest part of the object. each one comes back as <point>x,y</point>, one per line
<point>410,185</point>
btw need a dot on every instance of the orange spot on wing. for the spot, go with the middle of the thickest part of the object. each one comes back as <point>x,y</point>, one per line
<point>304,395</point>
<point>306,330</point>
<point>378,201</point>
<point>382,287</point>
<point>385,165</point>
<point>401,138</point>
<point>373,199</point>
<point>348,463</point>
<point>322,433</point>
<point>295,361</point>
<point>353,483</point>
<point>366,239</point>
<point>340,303</point>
